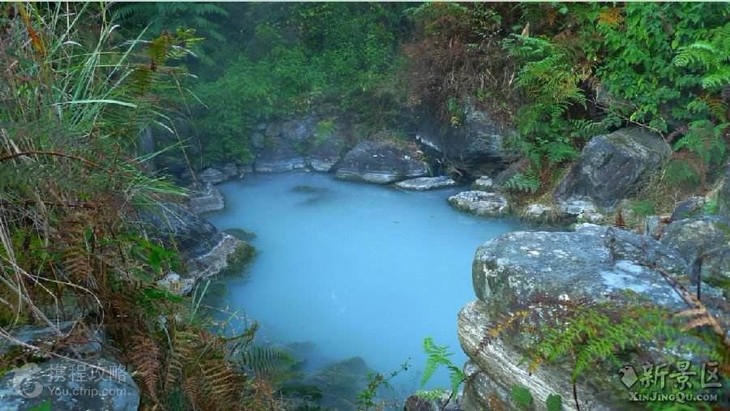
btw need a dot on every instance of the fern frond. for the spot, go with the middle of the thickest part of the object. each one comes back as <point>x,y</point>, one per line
<point>265,361</point>
<point>144,355</point>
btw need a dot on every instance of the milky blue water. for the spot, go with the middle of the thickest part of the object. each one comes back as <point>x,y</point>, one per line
<point>356,269</point>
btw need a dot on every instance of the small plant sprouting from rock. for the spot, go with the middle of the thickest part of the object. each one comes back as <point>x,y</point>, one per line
<point>525,401</point>
<point>522,397</point>
<point>438,355</point>
<point>367,398</point>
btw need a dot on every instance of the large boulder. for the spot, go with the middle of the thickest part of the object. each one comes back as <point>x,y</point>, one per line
<point>475,146</point>
<point>481,203</point>
<point>517,271</point>
<point>613,166</point>
<point>89,380</point>
<point>381,162</point>
<point>691,237</point>
<point>205,251</point>
<point>704,244</point>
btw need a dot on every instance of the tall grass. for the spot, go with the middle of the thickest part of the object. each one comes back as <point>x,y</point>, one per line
<point>74,97</point>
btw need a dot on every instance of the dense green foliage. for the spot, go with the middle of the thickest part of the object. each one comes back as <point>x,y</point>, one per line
<point>298,58</point>
<point>577,70</point>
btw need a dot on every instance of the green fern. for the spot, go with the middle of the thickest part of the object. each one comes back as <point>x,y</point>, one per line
<point>268,362</point>
<point>438,355</point>
<point>713,56</point>
<point>706,140</point>
<point>525,182</point>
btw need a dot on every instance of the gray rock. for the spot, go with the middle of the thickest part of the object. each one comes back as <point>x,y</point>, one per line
<point>480,392</point>
<point>480,203</point>
<point>177,227</point>
<point>613,166</point>
<point>295,144</point>
<point>483,183</point>
<point>177,285</point>
<point>594,261</point>
<point>513,271</point>
<point>219,258</point>
<point>506,175</point>
<point>691,237</point>
<point>207,200</point>
<point>498,368</point>
<point>325,152</point>
<point>716,269</point>
<point>723,196</point>
<point>205,250</point>
<point>212,176</point>
<point>380,162</point>
<point>279,159</point>
<point>476,146</point>
<point>258,140</point>
<point>231,171</point>
<point>426,183</point>
<point>654,226</point>
<point>418,402</point>
<point>579,208</point>
<point>94,382</point>
<point>539,213</point>
<point>690,207</point>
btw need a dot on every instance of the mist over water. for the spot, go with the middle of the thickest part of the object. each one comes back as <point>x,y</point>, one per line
<point>355,269</point>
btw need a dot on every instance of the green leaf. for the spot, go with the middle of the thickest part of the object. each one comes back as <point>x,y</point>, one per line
<point>521,397</point>
<point>554,402</point>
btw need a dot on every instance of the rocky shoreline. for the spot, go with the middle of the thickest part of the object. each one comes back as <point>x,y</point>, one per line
<point>593,261</point>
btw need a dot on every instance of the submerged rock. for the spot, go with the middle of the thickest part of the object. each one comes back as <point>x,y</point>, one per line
<point>340,383</point>
<point>480,203</point>
<point>97,382</point>
<point>426,183</point>
<point>613,166</point>
<point>380,162</point>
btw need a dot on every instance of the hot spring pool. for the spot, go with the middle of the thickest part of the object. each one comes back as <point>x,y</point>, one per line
<point>354,269</point>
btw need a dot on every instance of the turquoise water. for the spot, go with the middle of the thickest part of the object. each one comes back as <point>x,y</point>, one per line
<point>358,270</point>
